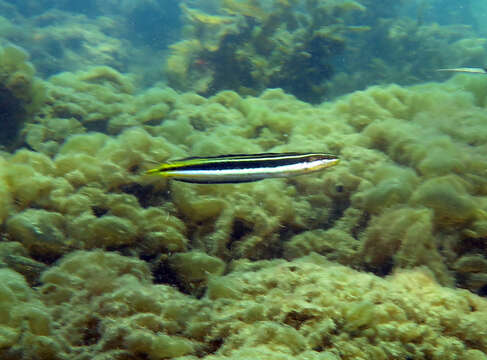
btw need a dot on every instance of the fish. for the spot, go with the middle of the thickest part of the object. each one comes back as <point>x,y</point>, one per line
<point>241,168</point>
<point>466,70</point>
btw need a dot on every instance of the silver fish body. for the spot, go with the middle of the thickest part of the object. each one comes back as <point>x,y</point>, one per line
<point>466,70</point>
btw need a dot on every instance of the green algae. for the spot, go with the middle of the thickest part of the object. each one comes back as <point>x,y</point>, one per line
<point>21,94</point>
<point>260,46</point>
<point>409,193</point>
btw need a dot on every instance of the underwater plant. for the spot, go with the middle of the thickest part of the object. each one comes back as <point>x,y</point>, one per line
<point>251,46</point>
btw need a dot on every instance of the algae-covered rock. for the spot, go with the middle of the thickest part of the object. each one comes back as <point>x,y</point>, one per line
<point>41,232</point>
<point>105,303</point>
<point>334,244</point>
<point>403,238</point>
<point>449,199</point>
<point>21,94</point>
<point>99,99</point>
<point>5,195</point>
<point>25,323</point>
<point>99,304</point>
<point>392,176</point>
<point>409,190</point>
<point>23,264</point>
<point>194,268</point>
<point>312,309</point>
<point>56,205</point>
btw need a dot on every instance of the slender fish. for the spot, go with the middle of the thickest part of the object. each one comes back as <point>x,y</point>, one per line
<point>243,168</point>
<point>466,70</point>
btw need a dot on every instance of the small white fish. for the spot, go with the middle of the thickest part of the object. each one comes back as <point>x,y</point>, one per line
<point>466,70</point>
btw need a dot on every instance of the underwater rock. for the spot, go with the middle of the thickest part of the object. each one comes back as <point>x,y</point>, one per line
<point>393,202</point>
<point>57,205</point>
<point>14,256</point>
<point>98,99</point>
<point>314,309</point>
<point>448,198</point>
<point>120,312</point>
<point>194,268</point>
<point>308,308</point>
<point>471,263</point>
<point>472,272</point>
<point>25,324</point>
<point>41,232</point>
<point>5,194</point>
<point>21,94</point>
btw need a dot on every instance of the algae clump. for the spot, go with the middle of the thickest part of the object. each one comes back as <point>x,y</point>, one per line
<point>21,94</point>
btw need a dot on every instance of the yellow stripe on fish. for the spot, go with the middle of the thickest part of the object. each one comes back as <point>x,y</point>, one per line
<point>240,168</point>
